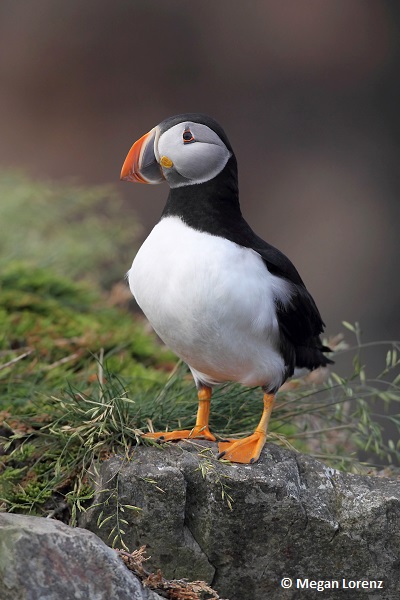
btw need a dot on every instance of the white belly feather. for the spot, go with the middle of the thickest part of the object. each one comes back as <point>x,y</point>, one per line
<point>212,302</point>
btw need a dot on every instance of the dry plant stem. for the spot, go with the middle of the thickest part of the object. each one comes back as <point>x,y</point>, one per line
<point>15,360</point>
<point>63,361</point>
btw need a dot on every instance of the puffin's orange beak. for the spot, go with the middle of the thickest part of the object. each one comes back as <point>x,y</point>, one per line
<point>141,164</point>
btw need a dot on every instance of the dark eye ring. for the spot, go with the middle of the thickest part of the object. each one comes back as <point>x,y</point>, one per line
<point>188,136</point>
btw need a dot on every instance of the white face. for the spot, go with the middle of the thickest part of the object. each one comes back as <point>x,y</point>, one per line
<point>189,159</point>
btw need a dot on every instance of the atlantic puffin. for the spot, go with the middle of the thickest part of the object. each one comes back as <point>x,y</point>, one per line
<point>230,305</point>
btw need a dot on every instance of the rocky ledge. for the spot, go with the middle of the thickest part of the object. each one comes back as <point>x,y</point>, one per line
<point>243,528</point>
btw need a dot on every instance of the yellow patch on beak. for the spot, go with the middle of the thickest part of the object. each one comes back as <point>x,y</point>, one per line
<point>166,162</point>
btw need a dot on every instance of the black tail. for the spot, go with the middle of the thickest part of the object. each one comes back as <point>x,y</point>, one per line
<point>312,356</point>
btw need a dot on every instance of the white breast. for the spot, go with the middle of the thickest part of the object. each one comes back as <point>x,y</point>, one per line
<point>212,302</point>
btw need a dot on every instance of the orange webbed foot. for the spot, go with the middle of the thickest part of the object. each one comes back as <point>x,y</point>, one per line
<point>244,451</point>
<point>248,449</point>
<point>197,432</point>
<point>200,430</point>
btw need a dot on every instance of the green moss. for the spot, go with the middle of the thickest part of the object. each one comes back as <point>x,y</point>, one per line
<point>64,325</point>
<point>81,232</point>
<point>63,352</point>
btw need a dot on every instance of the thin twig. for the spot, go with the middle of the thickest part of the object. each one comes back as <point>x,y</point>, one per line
<point>16,359</point>
<point>62,361</point>
<point>325,430</point>
<point>101,367</point>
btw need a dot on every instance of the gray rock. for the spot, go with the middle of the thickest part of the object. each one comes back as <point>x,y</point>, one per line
<point>243,528</point>
<point>43,559</point>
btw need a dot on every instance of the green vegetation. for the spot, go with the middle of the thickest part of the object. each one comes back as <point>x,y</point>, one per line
<point>80,232</point>
<point>55,336</point>
<point>81,379</point>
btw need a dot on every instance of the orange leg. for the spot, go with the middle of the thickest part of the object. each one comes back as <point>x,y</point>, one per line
<point>200,430</point>
<point>247,450</point>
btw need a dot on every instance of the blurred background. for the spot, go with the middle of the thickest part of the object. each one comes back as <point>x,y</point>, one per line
<point>307,91</point>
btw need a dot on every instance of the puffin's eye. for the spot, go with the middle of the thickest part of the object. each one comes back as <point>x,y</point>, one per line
<point>188,137</point>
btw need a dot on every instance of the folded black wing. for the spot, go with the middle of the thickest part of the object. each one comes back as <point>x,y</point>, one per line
<point>299,321</point>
